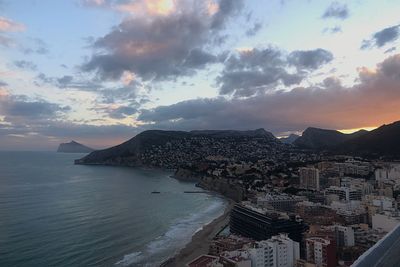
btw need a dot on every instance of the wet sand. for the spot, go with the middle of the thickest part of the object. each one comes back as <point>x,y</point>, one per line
<point>200,240</point>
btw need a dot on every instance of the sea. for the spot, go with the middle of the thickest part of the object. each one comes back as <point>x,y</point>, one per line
<point>55,213</point>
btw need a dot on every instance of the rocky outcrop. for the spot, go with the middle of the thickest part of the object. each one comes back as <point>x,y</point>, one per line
<point>73,147</point>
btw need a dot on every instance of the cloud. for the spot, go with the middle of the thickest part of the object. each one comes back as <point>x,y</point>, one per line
<point>332,30</point>
<point>329,105</point>
<point>7,25</point>
<point>121,112</point>
<point>251,72</point>
<point>19,107</point>
<point>383,37</point>
<point>254,29</point>
<point>311,59</point>
<point>24,64</point>
<point>337,11</point>
<point>163,46</point>
<point>37,46</point>
<point>390,50</point>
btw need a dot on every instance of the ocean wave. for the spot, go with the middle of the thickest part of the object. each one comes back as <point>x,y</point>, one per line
<point>177,236</point>
<point>130,259</point>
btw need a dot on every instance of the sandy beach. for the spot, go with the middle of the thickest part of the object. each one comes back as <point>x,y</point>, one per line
<point>200,241</point>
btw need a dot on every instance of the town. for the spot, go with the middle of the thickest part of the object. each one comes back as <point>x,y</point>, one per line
<point>302,212</point>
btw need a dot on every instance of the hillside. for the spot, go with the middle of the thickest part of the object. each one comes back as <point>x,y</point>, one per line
<point>315,138</point>
<point>170,149</point>
<point>383,141</point>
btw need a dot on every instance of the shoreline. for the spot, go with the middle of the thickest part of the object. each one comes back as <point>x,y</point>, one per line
<point>200,241</point>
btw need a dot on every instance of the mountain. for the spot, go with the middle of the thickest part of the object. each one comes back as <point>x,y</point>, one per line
<point>290,139</point>
<point>170,149</point>
<point>315,138</point>
<point>73,147</point>
<point>383,141</point>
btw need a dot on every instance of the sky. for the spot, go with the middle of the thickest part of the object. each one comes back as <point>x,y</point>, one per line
<point>101,71</point>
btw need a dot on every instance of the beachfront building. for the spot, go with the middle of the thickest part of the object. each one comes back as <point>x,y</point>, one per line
<point>205,261</point>
<point>227,243</point>
<point>278,251</point>
<point>261,224</point>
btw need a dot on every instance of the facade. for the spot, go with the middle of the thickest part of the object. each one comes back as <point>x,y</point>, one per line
<point>321,252</point>
<point>344,236</point>
<point>344,193</point>
<point>261,224</point>
<point>278,251</point>
<point>309,178</point>
<point>281,202</point>
<point>229,243</point>
<point>236,258</point>
<point>388,172</point>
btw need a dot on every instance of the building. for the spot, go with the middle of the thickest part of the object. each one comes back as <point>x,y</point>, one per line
<point>236,258</point>
<point>309,178</point>
<point>385,222</point>
<point>227,243</point>
<point>316,213</point>
<point>344,193</point>
<point>388,172</point>
<point>365,237</point>
<point>261,224</point>
<point>278,251</point>
<point>344,236</point>
<point>353,167</point>
<point>205,261</point>
<point>321,252</point>
<point>280,202</point>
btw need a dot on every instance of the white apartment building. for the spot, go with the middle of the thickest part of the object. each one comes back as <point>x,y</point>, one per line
<point>278,251</point>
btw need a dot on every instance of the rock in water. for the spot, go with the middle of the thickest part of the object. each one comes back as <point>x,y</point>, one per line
<point>73,147</point>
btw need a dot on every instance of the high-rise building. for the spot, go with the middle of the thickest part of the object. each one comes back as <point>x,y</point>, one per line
<point>278,251</point>
<point>321,251</point>
<point>344,236</point>
<point>309,178</point>
<point>261,224</point>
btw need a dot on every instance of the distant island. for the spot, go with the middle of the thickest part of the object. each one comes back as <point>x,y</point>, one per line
<point>73,147</point>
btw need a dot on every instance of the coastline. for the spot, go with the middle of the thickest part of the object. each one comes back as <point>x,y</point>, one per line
<point>200,240</point>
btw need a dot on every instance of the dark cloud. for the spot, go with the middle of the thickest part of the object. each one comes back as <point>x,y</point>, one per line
<point>329,105</point>
<point>21,107</point>
<point>68,81</point>
<point>24,64</point>
<point>337,11</point>
<point>3,84</point>
<point>256,71</point>
<point>227,9</point>
<point>311,59</point>
<point>383,37</point>
<point>162,47</point>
